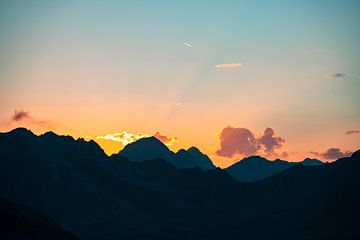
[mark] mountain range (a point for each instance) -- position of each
(249, 169)
(25, 222)
(93, 196)
(255, 167)
(151, 148)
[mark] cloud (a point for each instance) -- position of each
(24, 118)
(188, 44)
(123, 137)
(333, 153)
(237, 141)
(339, 75)
(352, 132)
(242, 141)
(20, 115)
(228, 65)
(167, 140)
(270, 142)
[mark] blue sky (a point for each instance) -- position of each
(95, 59)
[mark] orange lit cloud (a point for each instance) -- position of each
(228, 65)
(242, 141)
(270, 142)
(123, 137)
(237, 141)
(114, 142)
(167, 140)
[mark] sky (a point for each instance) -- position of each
(279, 79)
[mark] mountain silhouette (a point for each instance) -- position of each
(25, 222)
(255, 167)
(146, 149)
(311, 162)
(151, 148)
(95, 196)
(191, 158)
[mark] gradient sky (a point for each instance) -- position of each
(92, 68)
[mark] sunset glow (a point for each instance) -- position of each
(234, 78)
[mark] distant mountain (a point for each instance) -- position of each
(256, 167)
(191, 158)
(25, 222)
(311, 162)
(146, 149)
(151, 148)
(100, 197)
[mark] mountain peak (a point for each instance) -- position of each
(149, 141)
(311, 162)
(191, 158)
(254, 159)
(255, 168)
(194, 149)
(146, 149)
(21, 131)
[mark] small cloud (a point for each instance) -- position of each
(228, 65)
(352, 132)
(123, 137)
(339, 75)
(24, 118)
(179, 104)
(270, 142)
(20, 115)
(188, 44)
(332, 154)
(167, 140)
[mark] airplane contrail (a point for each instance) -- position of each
(188, 44)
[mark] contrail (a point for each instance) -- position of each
(188, 44)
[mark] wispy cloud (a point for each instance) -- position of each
(126, 138)
(123, 137)
(228, 65)
(20, 116)
(352, 132)
(25, 118)
(339, 75)
(167, 140)
(188, 44)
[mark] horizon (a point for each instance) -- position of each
(160, 140)
(233, 78)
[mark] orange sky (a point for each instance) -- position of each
(96, 69)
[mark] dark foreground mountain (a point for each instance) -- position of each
(151, 148)
(256, 167)
(98, 197)
(26, 223)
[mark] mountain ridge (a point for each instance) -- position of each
(150, 148)
(99, 197)
(254, 168)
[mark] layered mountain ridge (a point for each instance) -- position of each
(94, 196)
